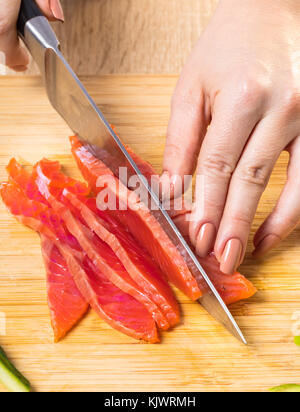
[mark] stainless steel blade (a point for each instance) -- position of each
(71, 100)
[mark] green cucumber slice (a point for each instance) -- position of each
(297, 340)
(11, 378)
(292, 387)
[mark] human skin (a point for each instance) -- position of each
(242, 79)
(16, 56)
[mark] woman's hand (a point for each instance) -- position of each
(15, 55)
(242, 79)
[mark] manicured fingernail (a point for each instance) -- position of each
(231, 256)
(57, 10)
(19, 68)
(265, 245)
(205, 240)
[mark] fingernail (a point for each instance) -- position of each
(57, 10)
(205, 240)
(19, 68)
(231, 256)
(265, 245)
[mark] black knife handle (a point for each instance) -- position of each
(28, 10)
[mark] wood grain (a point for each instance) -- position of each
(130, 36)
(197, 355)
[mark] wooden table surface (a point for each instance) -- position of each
(199, 354)
(130, 36)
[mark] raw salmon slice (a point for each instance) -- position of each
(26, 182)
(65, 302)
(99, 252)
(51, 220)
(141, 223)
(135, 259)
(120, 310)
(18, 175)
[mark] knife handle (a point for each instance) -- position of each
(28, 10)
(36, 32)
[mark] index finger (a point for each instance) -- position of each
(187, 126)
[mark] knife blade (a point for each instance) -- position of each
(71, 100)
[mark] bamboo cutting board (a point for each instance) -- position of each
(199, 355)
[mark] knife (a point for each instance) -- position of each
(70, 99)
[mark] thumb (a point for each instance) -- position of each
(15, 55)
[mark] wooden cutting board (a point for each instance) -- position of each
(199, 354)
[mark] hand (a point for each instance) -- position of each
(15, 54)
(242, 79)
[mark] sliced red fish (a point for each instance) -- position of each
(18, 175)
(27, 183)
(100, 253)
(135, 259)
(141, 223)
(65, 302)
(119, 309)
